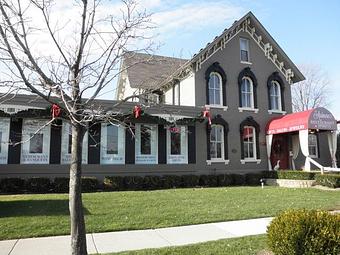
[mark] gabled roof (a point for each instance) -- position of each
(149, 71)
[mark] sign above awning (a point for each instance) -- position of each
(318, 118)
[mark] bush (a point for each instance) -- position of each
(38, 185)
(295, 175)
(208, 180)
(328, 180)
(190, 181)
(238, 179)
(12, 185)
(303, 232)
(133, 182)
(113, 183)
(89, 184)
(225, 180)
(172, 181)
(61, 185)
(253, 179)
(152, 182)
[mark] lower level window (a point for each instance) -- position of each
(36, 143)
(313, 145)
(249, 142)
(146, 146)
(216, 142)
(177, 145)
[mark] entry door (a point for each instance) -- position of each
(280, 151)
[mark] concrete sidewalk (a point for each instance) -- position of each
(137, 239)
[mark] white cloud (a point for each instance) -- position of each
(190, 17)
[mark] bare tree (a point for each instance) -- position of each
(78, 66)
(312, 92)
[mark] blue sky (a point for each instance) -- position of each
(308, 31)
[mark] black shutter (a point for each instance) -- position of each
(55, 142)
(191, 144)
(15, 135)
(94, 144)
(129, 146)
(208, 141)
(226, 130)
(241, 142)
(161, 144)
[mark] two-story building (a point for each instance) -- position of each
(227, 109)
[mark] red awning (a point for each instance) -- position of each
(318, 118)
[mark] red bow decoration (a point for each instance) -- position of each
(55, 111)
(206, 114)
(137, 111)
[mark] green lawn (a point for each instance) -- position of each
(44, 215)
(251, 245)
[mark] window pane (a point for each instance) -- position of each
(111, 139)
(244, 48)
(213, 153)
(175, 143)
(145, 140)
(69, 143)
(244, 56)
(36, 143)
(0, 141)
(214, 89)
(219, 150)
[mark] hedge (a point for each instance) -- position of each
(303, 232)
(328, 180)
(295, 175)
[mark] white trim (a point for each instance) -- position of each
(222, 107)
(4, 139)
(146, 158)
(246, 40)
(177, 158)
(246, 63)
(222, 142)
(213, 161)
(277, 112)
(110, 159)
(257, 161)
(247, 109)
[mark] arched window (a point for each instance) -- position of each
(217, 140)
(247, 84)
(249, 132)
(249, 142)
(216, 80)
(215, 89)
(247, 93)
(275, 96)
(275, 86)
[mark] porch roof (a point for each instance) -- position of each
(318, 118)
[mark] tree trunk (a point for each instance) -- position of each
(78, 233)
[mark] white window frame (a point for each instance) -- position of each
(178, 158)
(274, 96)
(221, 142)
(65, 157)
(118, 158)
(247, 50)
(146, 158)
(254, 145)
(4, 139)
(313, 142)
(221, 91)
(29, 127)
(251, 93)
(176, 94)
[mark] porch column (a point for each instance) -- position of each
(295, 149)
(269, 140)
(303, 137)
(332, 143)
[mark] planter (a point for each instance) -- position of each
(290, 183)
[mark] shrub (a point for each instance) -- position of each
(172, 181)
(238, 179)
(89, 184)
(152, 182)
(12, 185)
(303, 232)
(133, 182)
(61, 185)
(113, 183)
(270, 174)
(190, 181)
(225, 180)
(253, 179)
(38, 185)
(208, 180)
(328, 180)
(295, 175)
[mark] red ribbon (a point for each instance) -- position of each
(206, 114)
(55, 111)
(137, 111)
